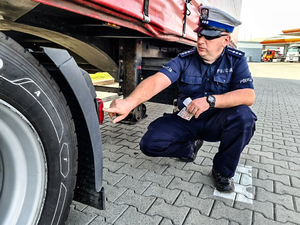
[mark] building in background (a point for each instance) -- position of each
(254, 47)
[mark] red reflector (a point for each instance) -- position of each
(100, 110)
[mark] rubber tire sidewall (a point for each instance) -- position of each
(41, 102)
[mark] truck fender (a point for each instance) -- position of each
(85, 94)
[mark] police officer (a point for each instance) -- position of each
(217, 79)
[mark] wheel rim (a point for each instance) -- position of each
(22, 169)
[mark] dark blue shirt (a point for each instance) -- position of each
(196, 78)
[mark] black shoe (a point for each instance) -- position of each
(198, 145)
(223, 184)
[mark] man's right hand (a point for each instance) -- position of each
(144, 91)
(119, 108)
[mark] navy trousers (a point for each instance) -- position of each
(172, 136)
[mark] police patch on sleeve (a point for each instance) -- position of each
(235, 52)
(188, 52)
(246, 80)
(167, 68)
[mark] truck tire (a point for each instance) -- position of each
(38, 145)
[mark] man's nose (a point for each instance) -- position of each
(201, 39)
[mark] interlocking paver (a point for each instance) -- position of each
(183, 174)
(174, 213)
(78, 206)
(267, 167)
(294, 154)
(133, 217)
(137, 192)
(153, 166)
(78, 218)
(110, 214)
(261, 153)
(152, 159)
(162, 180)
(265, 208)
(284, 138)
(130, 160)
(285, 200)
(207, 192)
(266, 184)
(297, 204)
(128, 151)
(133, 184)
(136, 173)
(260, 219)
(206, 170)
(294, 166)
(281, 163)
(203, 179)
(281, 188)
(142, 203)
(285, 215)
(295, 182)
(176, 163)
(283, 171)
(206, 162)
(110, 147)
(167, 194)
(113, 140)
(112, 178)
(222, 211)
(166, 221)
(112, 166)
(283, 131)
(262, 143)
(192, 188)
(112, 192)
(111, 133)
(128, 137)
(112, 156)
(99, 220)
(254, 158)
(287, 147)
(195, 218)
(203, 205)
(274, 150)
(127, 143)
(272, 140)
(272, 176)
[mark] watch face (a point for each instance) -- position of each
(211, 99)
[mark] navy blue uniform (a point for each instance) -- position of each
(173, 136)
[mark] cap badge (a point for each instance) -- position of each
(204, 14)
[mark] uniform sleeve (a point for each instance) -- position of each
(241, 77)
(173, 69)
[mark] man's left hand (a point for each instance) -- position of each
(198, 106)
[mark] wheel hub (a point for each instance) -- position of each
(22, 168)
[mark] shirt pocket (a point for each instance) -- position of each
(194, 78)
(222, 78)
(222, 82)
(190, 84)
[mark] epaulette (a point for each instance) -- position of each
(235, 52)
(188, 52)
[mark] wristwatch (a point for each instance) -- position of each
(211, 101)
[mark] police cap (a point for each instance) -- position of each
(214, 21)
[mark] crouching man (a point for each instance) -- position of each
(218, 81)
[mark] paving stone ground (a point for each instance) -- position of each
(165, 191)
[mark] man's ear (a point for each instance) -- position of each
(227, 40)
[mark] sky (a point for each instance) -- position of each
(267, 18)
